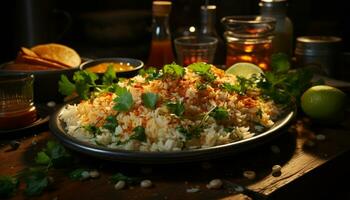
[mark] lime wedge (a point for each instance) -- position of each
(244, 69)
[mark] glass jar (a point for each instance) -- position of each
(249, 39)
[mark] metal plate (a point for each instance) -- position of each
(57, 128)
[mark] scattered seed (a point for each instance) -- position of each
(119, 185)
(51, 104)
(276, 170)
(85, 175)
(214, 184)
(249, 174)
(192, 190)
(94, 174)
(275, 149)
(320, 137)
(14, 144)
(146, 184)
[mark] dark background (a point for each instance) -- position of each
(121, 28)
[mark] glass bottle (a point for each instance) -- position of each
(249, 39)
(161, 51)
(283, 40)
(207, 28)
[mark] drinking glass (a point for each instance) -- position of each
(191, 49)
(249, 39)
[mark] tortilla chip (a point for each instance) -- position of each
(58, 53)
(22, 58)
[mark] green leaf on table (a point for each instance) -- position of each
(174, 70)
(124, 100)
(109, 76)
(280, 63)
(150, 100)
(176, 108)
(42, 158)
(65, 87)
(121, 177)
(36, 181)
(78, 174)
(8, 186)
(139, 134)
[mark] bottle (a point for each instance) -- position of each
(161, 51)
(283, 34)
(207, 28)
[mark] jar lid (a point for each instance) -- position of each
(161, 8)
(317, 45)
(273, 3)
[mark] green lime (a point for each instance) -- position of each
(323, 102)
(244, 69)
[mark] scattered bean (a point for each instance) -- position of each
(276, 170)
(214, 184)
(320, 137)
(51, 104)
(94, 174)
(146, 184)
(192, 190)
(14, 144)
(249, 174)
(119, 185)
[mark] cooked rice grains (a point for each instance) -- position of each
(191, 111)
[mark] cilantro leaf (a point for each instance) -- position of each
(8, 186)
(150, 73)
(124, 100)
(150, 100)
(109, 76)
(36, 181)
(78, 174)
(203, 69)
(65, 87)
(84, 81)
(174, 70)
(176, 108)
(219, 113)
(121, 177)
(139, 134)
(111, 123)
(58, 155)
(280, 63)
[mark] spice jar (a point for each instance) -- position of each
(319, 53)
(249, 39)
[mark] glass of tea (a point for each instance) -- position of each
(16, 101)
(249, 39)
(191, 49)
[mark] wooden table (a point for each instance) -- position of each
(308, 172)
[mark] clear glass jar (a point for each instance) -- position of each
(249, 39)
(283, 33)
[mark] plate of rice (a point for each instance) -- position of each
(171, 115)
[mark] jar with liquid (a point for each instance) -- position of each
(161, 51)
(249, 39)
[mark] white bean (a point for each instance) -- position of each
(249, 174)
(94, 174)
(214, 184)
(85, 175)
(146, 184)
(192, 190)
(320, 137)
(119, 185)
(276, 170)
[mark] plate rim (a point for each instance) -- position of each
(142, 157)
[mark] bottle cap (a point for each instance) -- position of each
(161, 8)
(317, 45)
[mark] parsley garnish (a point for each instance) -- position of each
(150, 100)
(65, 87)
(139, 134)
(77, 174)
(191, 132)
(111, 123)
(176, 108)
(124, 100)
(219, 113)
(150, 73)
(36, 181)
(203, 69)
(121, 177)
(173, 70)
(53, 155)
(109, 76)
